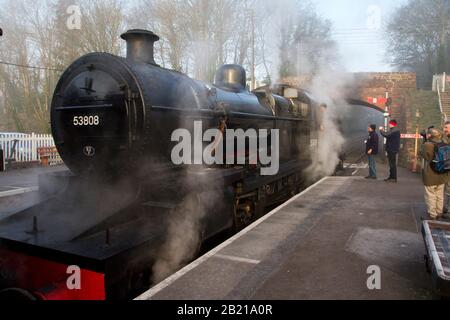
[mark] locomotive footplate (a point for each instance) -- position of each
(110, 241)
(112, 232)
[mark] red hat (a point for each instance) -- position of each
(393, 123)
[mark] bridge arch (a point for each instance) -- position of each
(357, 102)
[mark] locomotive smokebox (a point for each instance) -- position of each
(140, 45)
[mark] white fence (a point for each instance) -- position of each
(27, 145)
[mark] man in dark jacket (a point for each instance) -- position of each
(392, 148)
(372, 150)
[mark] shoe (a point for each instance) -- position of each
(391, 180)
(370, 178)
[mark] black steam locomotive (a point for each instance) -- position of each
(111, 217)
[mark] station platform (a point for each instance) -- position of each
(26, 178)
(19, 188)
(319, 245)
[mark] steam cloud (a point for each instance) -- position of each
(202, 193)
(328, 86)
(183, 239)
(186, 226)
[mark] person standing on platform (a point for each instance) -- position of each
(392, 148)
(372, 151)
(434, 182)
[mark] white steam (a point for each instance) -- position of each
(328, 86)
(183, 238)
(202, 199)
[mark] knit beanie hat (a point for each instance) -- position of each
(393, 123)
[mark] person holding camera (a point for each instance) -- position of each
(392, 148)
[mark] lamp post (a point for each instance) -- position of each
(416, 148)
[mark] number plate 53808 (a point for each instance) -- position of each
(84, 121)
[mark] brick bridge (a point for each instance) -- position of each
(372, 89)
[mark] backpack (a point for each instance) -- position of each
(441, 161)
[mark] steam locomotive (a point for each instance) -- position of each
(108, 220)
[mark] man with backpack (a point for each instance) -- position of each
(434, 173)
(392, 148)
(447, 187)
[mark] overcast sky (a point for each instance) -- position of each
(359, 30)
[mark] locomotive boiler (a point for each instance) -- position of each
(112, 120)
(110, 114)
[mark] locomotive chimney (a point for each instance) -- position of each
(140, 45)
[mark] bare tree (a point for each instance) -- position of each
(418, 35)
(28, 41)
(197, 36)
(305, 42)
(38, 45)
(170, 20)
(103, 22)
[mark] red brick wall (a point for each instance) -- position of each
(400, 87)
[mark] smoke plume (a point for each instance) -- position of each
(328, 87)
(187, 225)
(327, 81)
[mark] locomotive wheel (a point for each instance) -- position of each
(16, 294)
